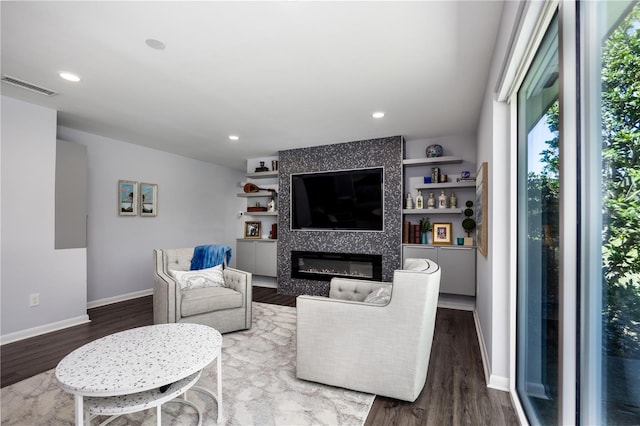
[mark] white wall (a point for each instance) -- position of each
(29, 262)
(493, 273)
(197, 204)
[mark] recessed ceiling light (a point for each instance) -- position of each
(155, 44)
(234, 137)
(69, 76)
(378, 114)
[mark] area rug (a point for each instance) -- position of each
(259, 387)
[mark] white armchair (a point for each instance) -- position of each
(382, 349)
(225, 308)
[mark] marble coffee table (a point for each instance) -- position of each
(139, 369)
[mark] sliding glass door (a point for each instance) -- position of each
(578, 219)
(610, 317)
(538, 235)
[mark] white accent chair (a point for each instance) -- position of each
(380, 349)
(226, 308)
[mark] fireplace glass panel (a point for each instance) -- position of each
(324, 266)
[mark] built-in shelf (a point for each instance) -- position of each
(431, 211)
(262, 175)
(257, 194)
(262, 240)
(431, 160)
(261, 213)
(439, 245)
(443, 185)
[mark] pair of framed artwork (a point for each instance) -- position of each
(134, 197)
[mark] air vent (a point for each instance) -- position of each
(28, 86)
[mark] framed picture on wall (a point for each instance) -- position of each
(481, 208)
(442, 233)
(252, 230)
(127, 198)
(148, 199)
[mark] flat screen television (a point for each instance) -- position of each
(349, 200)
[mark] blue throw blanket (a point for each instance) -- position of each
(209, 256)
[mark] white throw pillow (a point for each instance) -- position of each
(210, 277)
(380, 296)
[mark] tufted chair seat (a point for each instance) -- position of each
(226, 308)
(379, 345)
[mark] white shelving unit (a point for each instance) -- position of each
(263, 175)
(262, 195)
(443, 185)
(457, 262)
(431, 160)
(259, 256)
(431, 211)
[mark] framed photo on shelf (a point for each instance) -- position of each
(127, 198)
(442, 233)
(252, 230)
(148, 199)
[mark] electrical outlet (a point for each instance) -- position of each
(34, 299)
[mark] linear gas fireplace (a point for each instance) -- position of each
(323, 266)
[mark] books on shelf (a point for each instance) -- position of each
(410, 233)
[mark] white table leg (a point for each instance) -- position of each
(219, 374)
(158, 414)
(79, 411)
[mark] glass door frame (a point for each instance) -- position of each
(569, 222)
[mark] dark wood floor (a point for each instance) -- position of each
(455, 392)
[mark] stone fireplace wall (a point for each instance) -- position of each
(385, 152)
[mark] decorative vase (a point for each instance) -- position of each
(423, 238)
(434, 150)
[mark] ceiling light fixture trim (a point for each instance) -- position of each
(69, 76)
(155, 44)
(378, 114)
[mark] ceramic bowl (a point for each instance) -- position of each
(434, 151)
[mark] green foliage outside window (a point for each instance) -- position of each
(621, 177)
(621, 187)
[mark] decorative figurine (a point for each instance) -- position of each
(442, 200)
(419, 200)
(431, 202)
(409, 201)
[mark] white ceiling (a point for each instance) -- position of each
(279, 75)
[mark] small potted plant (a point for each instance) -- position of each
(425, 226)
(468, 224)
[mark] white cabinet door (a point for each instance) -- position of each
(418, 252)
(257, 256)
(266, 260)
(245, 255)
(458, 266)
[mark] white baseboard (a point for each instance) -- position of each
(500, 383)
(493, 381)
(120, 298)
(483, 349)
(43, 329)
